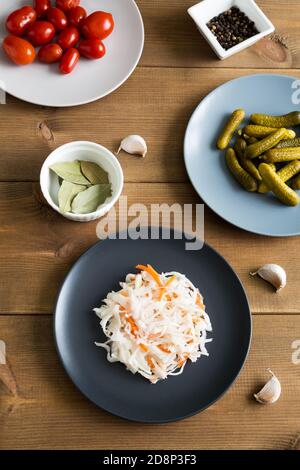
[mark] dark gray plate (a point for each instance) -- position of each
(111, 386)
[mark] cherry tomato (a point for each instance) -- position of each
(50, 53)
(41, 7)
(98, 25)
(19, 20)
(57, 18)
(20, 51)
(76, 15)
(69, 61)
(69, 37)
(92, 48)
(40, 33)
(66, 5)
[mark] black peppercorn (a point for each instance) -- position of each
(232, 27)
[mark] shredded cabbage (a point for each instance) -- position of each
(154, 324)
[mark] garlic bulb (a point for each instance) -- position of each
(271, 392)
(133, 144)
(274, 274)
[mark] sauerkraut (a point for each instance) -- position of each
(155, 323)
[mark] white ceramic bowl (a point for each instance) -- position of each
(82, 150)
(204, 11)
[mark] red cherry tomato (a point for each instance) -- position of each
(92, 48)
(66, 5)
(57, 18)
(69, 37)
(98, 25)
(69, 61)
(40, 33)
(19, 20)
(50, 53)
(41, 7)
(76, 15)
(21, 52)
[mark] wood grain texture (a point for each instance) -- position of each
(40, 408)
(172, 38)
(155, 103)
(38, 246)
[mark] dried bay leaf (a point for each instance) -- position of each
(94, 173)
(70, 171)
(66, 194)
(89, 200)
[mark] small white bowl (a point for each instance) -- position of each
(82, 150)
(204, 11)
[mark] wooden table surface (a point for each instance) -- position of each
(39, 406)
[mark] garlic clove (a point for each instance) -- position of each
(133, 144)
(274, 274)
(271, 392)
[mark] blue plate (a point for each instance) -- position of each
(258, 213)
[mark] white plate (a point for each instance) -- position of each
(44, 85)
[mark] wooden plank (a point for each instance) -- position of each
(155, 103)
(38, 246)
(40, 408)
(173, 40)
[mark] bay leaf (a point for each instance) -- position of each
(70, 171)
(89, 200)
(94, 173)
(66, 194)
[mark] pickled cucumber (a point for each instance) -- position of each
(285, 174)
(261, 131)
(281, 190)
(289, 143)
(246, 180)
(240, 147)
(257, 149)
(282, 155)
(230, 128)
(296, 183)
(287, 120)
(252, 140)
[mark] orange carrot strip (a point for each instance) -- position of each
(152, 273)
(143, 347)
(150, 362)
(199, 302)
(162, 291)
(163, 348)
(124, 293)
(133, 325)
(170, 280)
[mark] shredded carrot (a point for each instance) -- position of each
(199, 302)
(143, 347)
(133, 325)
(153, 336)
(162, 292)
(150, 362)
(163, 348)
(124, 293)
(170, 280)
(152, 273)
